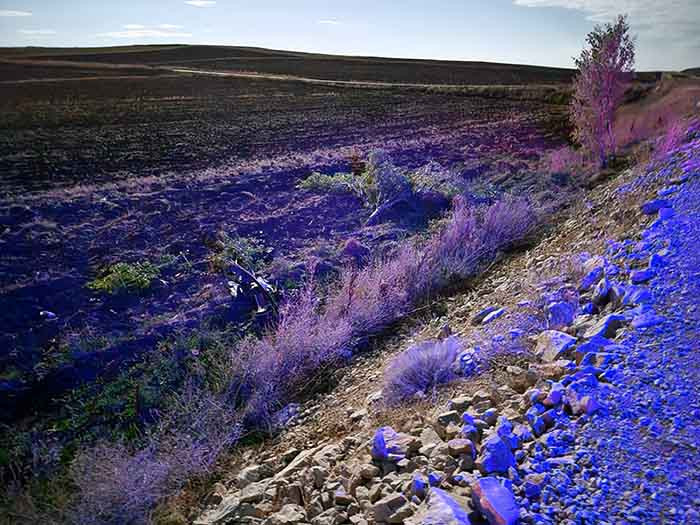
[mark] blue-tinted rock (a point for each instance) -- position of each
(594, 268)
(666, 213)
(646, 320)
(559, 314)
(637, 295)
(533, 485)
(495, 502)
(641, 276)
(668, 190)
(653, 206)
(600, 292)
(390, 445)
(480, 316)
(657, 261)
(434, 478)
(466, 363)
(490, 416)
(469, 432)
(496, 456)
(48, 315)
(493, 316)
(523, 433)
(419, 486)
(467, 419)
(555, 395)
(589, 309)
(606, 327)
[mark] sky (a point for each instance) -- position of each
(544, 32)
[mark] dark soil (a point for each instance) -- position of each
(153, 168)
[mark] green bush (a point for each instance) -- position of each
(361, 185)
(382, 180)
(249, 252)
(122, 277)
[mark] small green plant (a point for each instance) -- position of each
(249, 252)
(381, 181)
(361, 184)
(433, 177)
(121, 277)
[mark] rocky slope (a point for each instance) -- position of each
(594, 419)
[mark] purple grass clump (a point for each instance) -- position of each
(313, 335)
(420, 369)
(117, 485)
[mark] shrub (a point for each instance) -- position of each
(433, 177)
(474, 235)
(420, 369)
(116, 485)
(382, 182)
(123, 277)
(605, 68)
(310, 339)
(372, 298)
(248, 252)
(289, 357)
(388, 180)
(336, 183)
(671, 139)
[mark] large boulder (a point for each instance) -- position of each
(496, 456)
(389, 445)
(388, 505)
(495, 502)
(559, 314)
(551, 344)
(606, 327)
(289, 514)
(653, 206)
(441, 508)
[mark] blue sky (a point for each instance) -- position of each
(547, 32)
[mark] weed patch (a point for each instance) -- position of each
(123, 277)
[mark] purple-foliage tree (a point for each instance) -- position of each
(605, 68)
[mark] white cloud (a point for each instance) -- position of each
(670, 19)
(667, 29)
(201, 3)
(134, 26)
(169, 26)
(7, 12)
(144, 32)
(329, 21)
(37, 32)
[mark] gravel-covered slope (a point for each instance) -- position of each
(599, 425)
(647, 450)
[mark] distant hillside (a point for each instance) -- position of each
(692, 71)
(310, 65)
